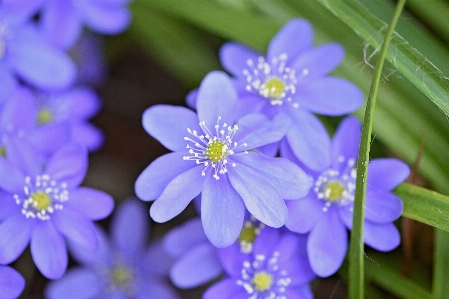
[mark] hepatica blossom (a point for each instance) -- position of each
(326, 212)
(42, 204)
(122, 266)
(214, 155)
(292, 80)
(11, 283)
(277, 268)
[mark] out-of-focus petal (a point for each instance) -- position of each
(48, 250)
(385, 174)
(234, 57)
(68, 164)
(154, 179)
(88, 135)
(290, 181)
(15, 233)
(330, 96)
(12, 179)
(205, 263)
(293, 38)
(102, 256)
(303, 214)
(130, 227)
(266, 241)
(302, 292)
(107, 19)
(183, 237)
(216, 98)
(8, 83)
(93, 204)
(77, 283)
(226, 288)
(155, 289)
(8, 205)
(309, 141)
(345, 142)
(11, 283)
(382, 237)
(327, 244)
(168, 124)
(222, 212)
(261, 199)
(179, 192)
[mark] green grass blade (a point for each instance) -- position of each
(440, 286)
(356, 251)
(415, 67)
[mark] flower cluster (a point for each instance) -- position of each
(46, 101)
(255, 157)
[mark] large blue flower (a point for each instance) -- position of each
(214, 155)
(122, 266)
(326, 212)
(292, 80)
(276, 268)
(42, 204)
(11, 283)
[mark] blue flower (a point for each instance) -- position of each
(26, 55)
(42, 204)
(277, 268)
(62, 21)
(11, 283)
(326, 212)
(122, 266)
(292, 80)
(214, 154)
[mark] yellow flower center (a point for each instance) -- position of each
(216, 151)
(334, 190)
(44, 116)
(262, 281)
(40, 200)
(274, 87)
(2, 151)
(121, 276)
(248, 234)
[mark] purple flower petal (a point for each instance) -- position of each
(327, 244)
(8, 205)
(93, 204)
(88, 135)
(84, 102)
(302, 292)
(40, 64)
(345, 142)
(168, 124)
(385, 174)
(382, 237)
(155, 289)
(232, 259)
(299, 271)
(19, 111)
(261, 199)
(12, 179)
(11, 283)
(106, 18)
(48, 250)
(257, 130)
(77, 283)
(182, 238)
(179, 192)
(266, 241)
(303, 214)
(292, 39)
(330, 96)
(156, 259)
(102, 256)
(15, 233)
(290, 181)
(152, 181)
(216, 98)
(49, 138)
(61, 23)
(68, 164)
(381, 206)
(130, 227)
(203, 259)
(319, 61)
(8, 83)
(222, 212)
(234, 58)
(226, 288)
(24, 156)
(191, 99)
(309, 141)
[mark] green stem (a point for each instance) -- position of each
(356, 253)
(440, 288)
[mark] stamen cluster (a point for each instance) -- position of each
(272, 80)
(43, 197)
(212, 149)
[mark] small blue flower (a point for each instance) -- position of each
(42, 204)
(277, 268)
(326, 212)
(122, 266)
(292, 80)
(11, 283)
(214, 154)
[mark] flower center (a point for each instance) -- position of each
(262, 281)
(273, 81)
(2, 151)
(121, 276)
(337, 187)
(212, 150)
(43, 197)
(44, 116)
(250, 230)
